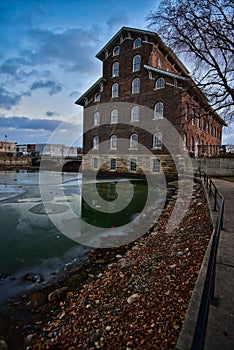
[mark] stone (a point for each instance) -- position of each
(3, 345)
(57, 294)
(133, 298)
(126, 262)
(37, 299)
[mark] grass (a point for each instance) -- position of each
(229, 178)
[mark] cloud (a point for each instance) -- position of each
(117, 21)
(72, 49)
(74, 94)
(26, 123)
(8, 99)
(12, 65)
(52, 86)
(228, 134)
(52, 114)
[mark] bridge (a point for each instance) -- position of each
(57, 163)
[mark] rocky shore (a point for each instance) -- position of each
(132, 297)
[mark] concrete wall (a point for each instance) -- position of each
(214, 166)
(14, 162)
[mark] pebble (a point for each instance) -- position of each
(57, 294)
(133, 298)
(3, 345)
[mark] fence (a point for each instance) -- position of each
(207, 298)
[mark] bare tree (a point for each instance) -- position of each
(202, 32)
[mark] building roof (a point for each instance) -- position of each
(90, 91)
(163, 47)
(164, 72)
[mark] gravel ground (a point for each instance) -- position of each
(134, 298)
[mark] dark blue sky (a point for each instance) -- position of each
(47, 59)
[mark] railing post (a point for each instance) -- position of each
(215, 199)
(210, 183)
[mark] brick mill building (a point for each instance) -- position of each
(143, 85)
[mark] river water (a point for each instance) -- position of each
(32, 244)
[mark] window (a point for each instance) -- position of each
(192, 144)
(137, 43)
(159, 63)
(116, 51)
(198, 121)
(175, 83)
(184, 141)
(113, 164)
(96, 142)
(115, 69)
(136, 86)
(136, 63)
(160, 83)
(203, 124)
(113, 142)
(134, 141)
(157, 140)
(156, 166)
(158, 110)
(115, 90)
(114, 116)
(135, 112)
(96, 118)
(193, 117)
(186, 113)
(95, 163)
(133, 165)
(97, 97)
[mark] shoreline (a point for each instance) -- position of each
(30, 316)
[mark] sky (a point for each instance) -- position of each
(47, 60)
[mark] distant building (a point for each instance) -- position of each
(50, 150)
(140, 70)
(7, 148)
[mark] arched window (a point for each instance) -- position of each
(115, 90)
(197, 144)
(114, 116)
(97, 97)
(136, 63)
(134, 141)
(192, 144)
(160, 83)
(159, 63)
(203, 124)
(116, 51)
(158, 110)
(198, 121)
(156, 166)
(157, 140)
(95, 163)
(96, 118)
(184, 141)
(136, 86)
(137, 43)
(115, 69)
(186, 113)
(135, 112)
(113, 142)
(193, 117)
(96, 142)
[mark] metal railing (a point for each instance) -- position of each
(207, 298)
